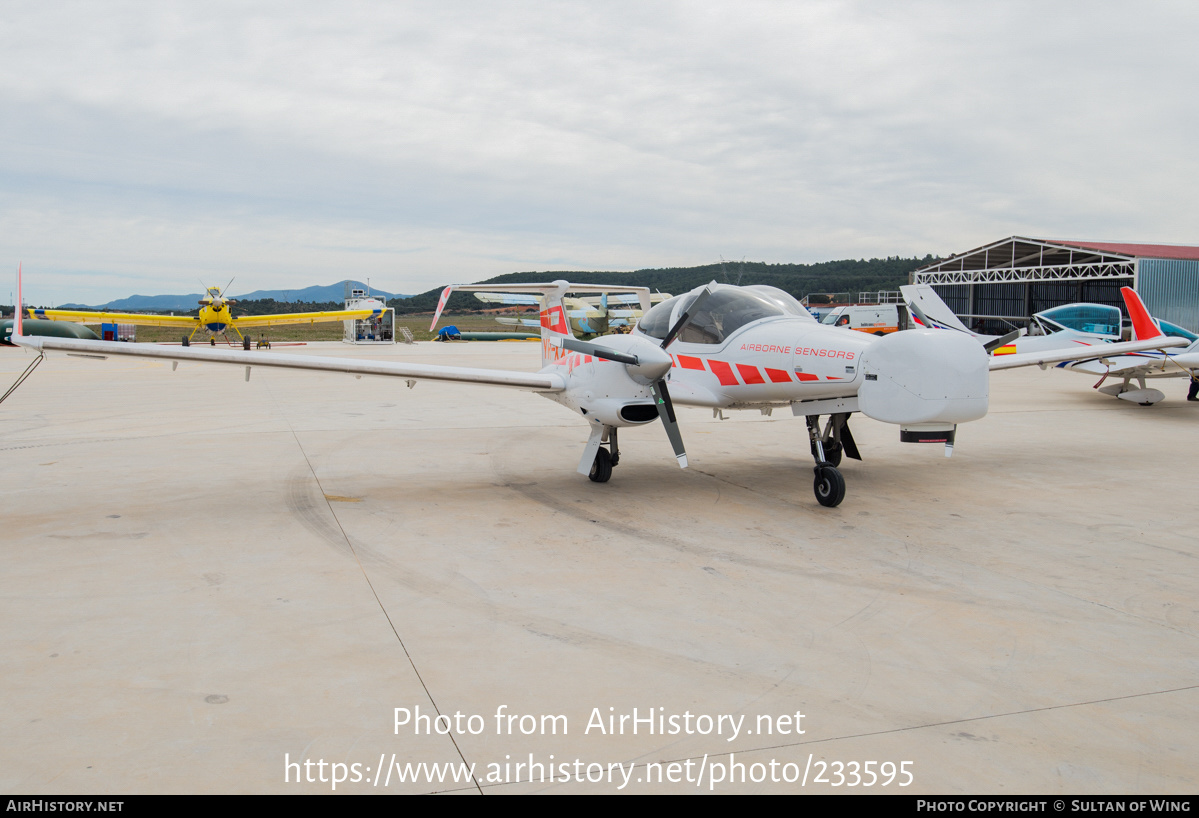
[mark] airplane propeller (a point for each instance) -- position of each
(217, 301)
(1002, 341)
(650, 365)
(662, 394)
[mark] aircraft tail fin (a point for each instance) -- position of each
(554, 324)
(1143, 326)
(445, 296)
(554, 317)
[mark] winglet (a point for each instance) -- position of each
(445, 296)
(1143, 327)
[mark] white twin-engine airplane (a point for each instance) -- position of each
(719, 346)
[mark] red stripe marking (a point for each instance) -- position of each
(723, 373)
(750, 374)
(807, 376)
(688, 362)
(778, 375)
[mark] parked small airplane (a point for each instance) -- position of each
(587, 316)
(1139, 366)
(719, 346)
(1084, 326)
(215, 317)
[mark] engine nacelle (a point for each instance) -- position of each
(924, 377)
(619, 411)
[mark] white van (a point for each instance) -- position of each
(877, 319)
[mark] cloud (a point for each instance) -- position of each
(421, 143)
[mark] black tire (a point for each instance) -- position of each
(186, 341)
(880, 334)
(832, 453)
(601, 467)
(245, 343)
(829, 486)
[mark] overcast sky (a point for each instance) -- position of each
(147, 146)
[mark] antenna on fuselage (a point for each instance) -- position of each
(740, 271)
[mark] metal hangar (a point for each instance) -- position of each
(1006, 282)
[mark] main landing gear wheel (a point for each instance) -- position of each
(187, 341)
(601, 468)
(829, 486)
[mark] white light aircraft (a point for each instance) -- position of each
(1093, 331)
(1139, 366)
(719, 346)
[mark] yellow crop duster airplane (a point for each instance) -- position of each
(215, 317)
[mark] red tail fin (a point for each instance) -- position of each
(1143, 327)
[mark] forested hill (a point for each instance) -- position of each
(850, 275)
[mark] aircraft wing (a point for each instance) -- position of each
(1142, 366)
(560, 287)
(300, 318)
(85, 317)
(531, 382)
(1079, 355)
(509, 298)
(621, 299)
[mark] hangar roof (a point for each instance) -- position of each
(1137, 250)
(1018, 258)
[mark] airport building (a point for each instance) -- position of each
(1004, 283)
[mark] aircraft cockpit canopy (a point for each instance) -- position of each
(1098, 319)
(656, 322)
(784, 299)
(724, 312)
(1176, 331)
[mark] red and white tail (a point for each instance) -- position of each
(1143, 325)
(554, 323)
(445, 296)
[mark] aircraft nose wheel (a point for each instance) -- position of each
(601, 468)
(829, 486)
